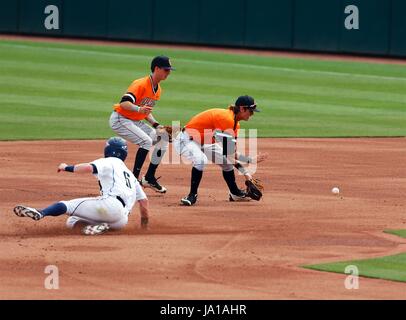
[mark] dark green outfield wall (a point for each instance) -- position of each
(316, 25)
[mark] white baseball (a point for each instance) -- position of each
(335, 190)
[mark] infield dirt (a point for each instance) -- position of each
(216, 249)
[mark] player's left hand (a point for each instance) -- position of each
(165, 131)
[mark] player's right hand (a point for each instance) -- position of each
(145, 110)
(62, 167)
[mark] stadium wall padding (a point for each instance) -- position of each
(9, 19)
(316, 25)
(304, 25)
(398, 28)
(373, 34)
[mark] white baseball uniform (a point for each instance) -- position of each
(119, 191)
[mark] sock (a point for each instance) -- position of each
(139, 161)
(229, 177)
(150, 175)
(156, 158)
(195, 180)
(55, 209)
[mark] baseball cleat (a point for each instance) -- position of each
(241, 196)
(93, 230)
(153, 184)
(32, 213)
(189, 200)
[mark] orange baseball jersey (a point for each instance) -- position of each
(142, 93)
(202, 126)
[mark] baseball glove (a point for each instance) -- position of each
(166, 131)
(254, 189)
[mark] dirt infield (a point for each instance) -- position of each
(217, 249)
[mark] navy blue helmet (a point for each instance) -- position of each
(116, 147)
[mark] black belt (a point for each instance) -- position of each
(121, 200)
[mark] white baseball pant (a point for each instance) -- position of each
(103, 209)
(200, 155)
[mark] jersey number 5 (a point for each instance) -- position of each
(127, 179)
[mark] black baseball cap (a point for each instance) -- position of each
(246, 101)
(161, 62)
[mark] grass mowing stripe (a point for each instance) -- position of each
(297, 87)
(225, 63)
(333, 109)
(61, 85)
(197, 54)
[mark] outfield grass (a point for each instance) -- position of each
(400, 233)
(66, 91)
(388, 268)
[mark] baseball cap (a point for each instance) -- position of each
(246, 101)
(161, 62)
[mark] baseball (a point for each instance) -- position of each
(335, 190)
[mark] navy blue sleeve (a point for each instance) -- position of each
(94, 168)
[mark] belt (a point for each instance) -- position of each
(121, 200)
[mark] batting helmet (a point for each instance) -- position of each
(116, 147)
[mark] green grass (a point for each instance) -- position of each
(388, 268)
(65, 91)
(400, 233)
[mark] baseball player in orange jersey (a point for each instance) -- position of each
(127, 118)
(197, 143)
